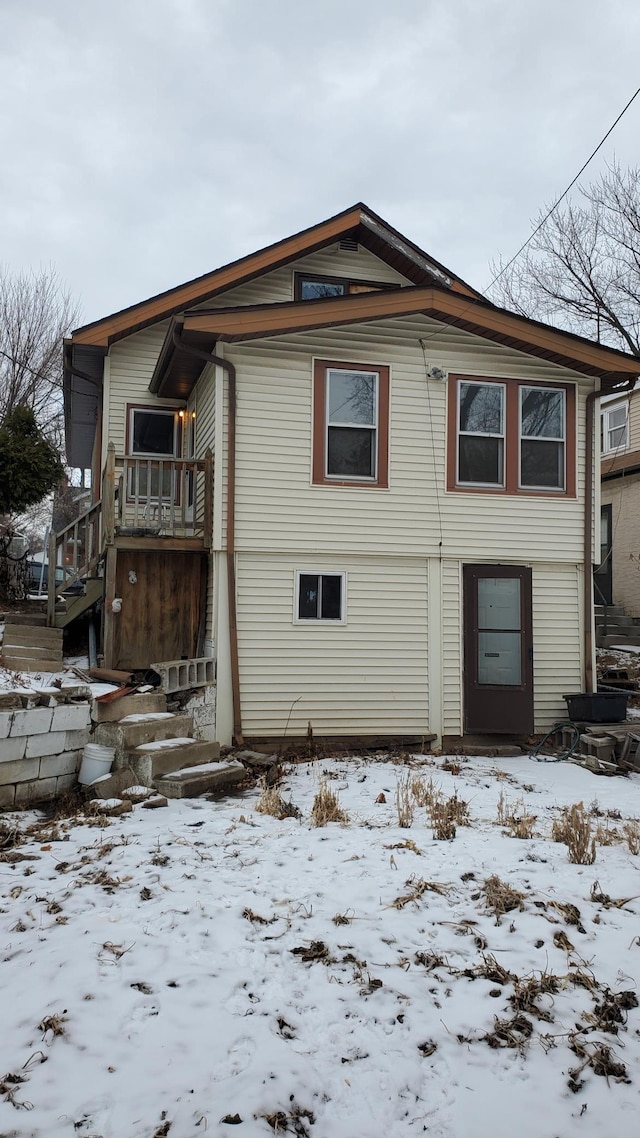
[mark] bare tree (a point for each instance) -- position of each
(36, 312)
(581, 271)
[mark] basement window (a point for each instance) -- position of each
(320, 597)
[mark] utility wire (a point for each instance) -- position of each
(562, 195)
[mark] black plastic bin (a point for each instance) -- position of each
(597, 707)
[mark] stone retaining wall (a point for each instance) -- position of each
(42, 735)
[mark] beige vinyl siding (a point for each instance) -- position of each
(278, 508)
(206, 412)
(331, 262)
(557, 640)
(634, 421)
(451, 648)
(131, 366)
(368, 676)
(623, 495)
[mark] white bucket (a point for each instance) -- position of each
(96, 762)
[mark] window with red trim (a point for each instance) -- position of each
(511, 436)
(351, 424)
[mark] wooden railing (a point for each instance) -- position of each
(73, 554)
(158, 497)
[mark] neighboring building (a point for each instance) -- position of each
(339, 470)
(617, 577)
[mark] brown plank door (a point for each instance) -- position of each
(498, 649)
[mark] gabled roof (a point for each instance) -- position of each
(359, 223)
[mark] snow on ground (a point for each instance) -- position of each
(210, 969)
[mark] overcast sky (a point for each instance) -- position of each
(147, 141)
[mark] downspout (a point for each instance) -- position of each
(219, 361)
(587, 596)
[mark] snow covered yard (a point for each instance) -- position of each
(208, 969)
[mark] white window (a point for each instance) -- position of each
(481, 429)
(542, 438)
(352, 424)
(153, 432)
(615, 427)
(320, 597)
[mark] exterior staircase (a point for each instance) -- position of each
(29, 646)
(613, 626)
(159, 747)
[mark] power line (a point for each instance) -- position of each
(563, 194)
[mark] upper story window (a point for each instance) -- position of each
(351, 424)
(153, 432)
(615, 427)
(511, 436)
(313, 286)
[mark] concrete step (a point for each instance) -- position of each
(152, 760)
(207, 778)
(32, 618)
(134, 730)
(20, 664)
(35, 651)
(138, 703)
(609, 641)
(27, 635)
(612, 610)
(615, 622)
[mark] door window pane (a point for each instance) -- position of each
(499, 658)
(499, 602)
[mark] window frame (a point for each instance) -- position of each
(320, 425)
(548, 438)
(606, 411)
(132, 408)
(320, 621)
(512, 438)
(353, 285)
(482, 434)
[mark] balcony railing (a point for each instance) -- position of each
(158, 497)
(141, 497)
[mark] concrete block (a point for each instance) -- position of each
(20, 771)
(77, 739)
(65, 782)
(50, 744)
(35, 721)
(36, 791)
(6, 718)
(12, 749)
(136, 704)
(113, 786)
(7, 797)
(71, 717)
(54, 765)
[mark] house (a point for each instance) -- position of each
(617, 577)
(338, 474)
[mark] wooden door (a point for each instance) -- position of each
(163, 607)
(498, 649)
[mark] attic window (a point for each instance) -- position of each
(307, 286)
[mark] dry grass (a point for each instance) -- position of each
(631, 832)
(573, 828)
(416, 888)
(326, 806)
(513, 816)
(501, 898)
(446, 815)
(424, 792)
(405, 803)
(271, 802)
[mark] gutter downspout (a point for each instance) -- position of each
(587, 596)
(219, 361)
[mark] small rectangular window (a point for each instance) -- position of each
(315, 286)
(615, 427)
(542, 438)
(351, 424)
(316, 289)
(320, 596)
(481, 434)
(153, 432)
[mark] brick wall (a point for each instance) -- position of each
(42, 736)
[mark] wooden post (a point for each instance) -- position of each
(109, 495)
(51, 580)
(208, 499)
(108, 646)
